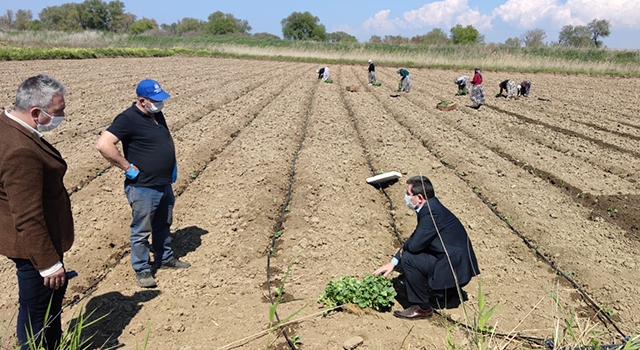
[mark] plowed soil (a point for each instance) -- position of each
(546, 185)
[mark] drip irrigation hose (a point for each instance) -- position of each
(283, 211)
(540, 341)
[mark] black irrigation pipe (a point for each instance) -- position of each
(373, 170)
(540, 341)
(284, 210)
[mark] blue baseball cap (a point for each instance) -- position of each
(151, 89)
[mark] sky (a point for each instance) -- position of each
(497, 20)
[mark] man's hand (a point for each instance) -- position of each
(56, 280)
(132, 172)
(385, 270)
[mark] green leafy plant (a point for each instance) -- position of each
(612, 211)
(328, 81)
(375, 292)
(377, 83)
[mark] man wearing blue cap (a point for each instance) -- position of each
(149, 165)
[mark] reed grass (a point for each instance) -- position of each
(30, 45)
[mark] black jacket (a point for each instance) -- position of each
(425, 240)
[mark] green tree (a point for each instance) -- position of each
(533, 38)
(599, 29)
(513, 43)
(303, 26)
(395, 40)
(170, 28)
(6, 20)
(375, 39)
(341, 37)
(578, 36)
(190, 25)
(142, 25)
(263, 35)
(118, 20)
(435, 37)
(23, 19)
(225, 23)
(466, 35)
(65, 17)
(94, 14)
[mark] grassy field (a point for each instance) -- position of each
(28, 45)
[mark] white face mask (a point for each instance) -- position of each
(407, 199)
(55, 121)
(154, 107)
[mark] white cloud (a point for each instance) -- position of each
(527, 13)
(475, 18)
(380, 22)
(436, 13)
(442, 14)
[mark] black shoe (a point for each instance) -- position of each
(145, 279)
(175, 264)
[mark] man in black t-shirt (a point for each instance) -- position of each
(150, 167)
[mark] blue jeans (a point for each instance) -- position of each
(35, 300)
(152, 211)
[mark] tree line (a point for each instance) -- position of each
(112, 17)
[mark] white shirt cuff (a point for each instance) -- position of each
(394, 261)
(48, 272)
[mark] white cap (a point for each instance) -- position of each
(370, 61)
(519, 86)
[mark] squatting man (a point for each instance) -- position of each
(437, 257)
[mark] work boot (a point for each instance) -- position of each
(145, 279)
(175, 264)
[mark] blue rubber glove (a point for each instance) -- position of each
(174, 175)
(132, 172)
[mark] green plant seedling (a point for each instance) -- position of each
(278, 234)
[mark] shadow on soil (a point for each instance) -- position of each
(112, 312)
(187, 240)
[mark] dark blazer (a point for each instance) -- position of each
(35, 211)
(425, 241)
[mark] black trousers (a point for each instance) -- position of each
(35, 299)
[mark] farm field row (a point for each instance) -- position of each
(550, 173)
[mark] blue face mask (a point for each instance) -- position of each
(407, 200)
(55, 121)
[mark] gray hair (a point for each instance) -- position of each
(38, 91)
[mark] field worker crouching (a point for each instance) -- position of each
(510, 87)
(477, 91)
(437, 258)
(36, 222)
(149, 165)
(372, 73)
(323, 73)
(524, 88)
(405, 81)
(463, 85)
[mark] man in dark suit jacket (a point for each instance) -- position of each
(437, 256)
(36, 223)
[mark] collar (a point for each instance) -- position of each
(35, 132)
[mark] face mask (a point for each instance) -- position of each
(55, 121)
(154, 107)
(407, 199)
